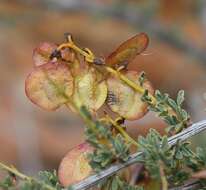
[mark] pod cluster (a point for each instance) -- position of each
(61, 77)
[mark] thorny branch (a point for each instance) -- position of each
(194, 129)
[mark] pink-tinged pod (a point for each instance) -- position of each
(49, 85)
(74, 167)
(42, 53)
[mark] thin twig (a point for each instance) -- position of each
(92, 180)
(189, 186)
(122, 131)
(163, 177)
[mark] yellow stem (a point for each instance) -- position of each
(89, 57)
(14, 171)
(122, 131)
(163, 177)
(24, 177)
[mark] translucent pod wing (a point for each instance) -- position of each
(123, 100)
(128, 50)
(89, 91)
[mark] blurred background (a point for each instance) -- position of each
(33, 139)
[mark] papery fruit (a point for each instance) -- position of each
(49, 85)
(123, 100)
(90, 90)
(75, 166)
(42, 53)
(128, 50)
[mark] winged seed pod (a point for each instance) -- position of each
(128, 50)
(74, 167)
(90, 90)
(123, 100)
(49, 85)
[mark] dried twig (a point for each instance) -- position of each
(194, 129)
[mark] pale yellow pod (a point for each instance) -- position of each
(89, 91)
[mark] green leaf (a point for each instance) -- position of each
(115, 185)
(158, 95)
(50, 178)
(172, 104)
(6, 183)
(185, 116)
(165, 146)
(180, 97)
